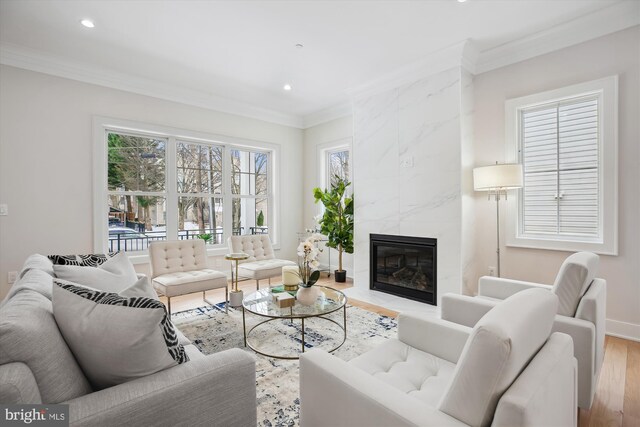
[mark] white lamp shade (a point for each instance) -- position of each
(503, 177)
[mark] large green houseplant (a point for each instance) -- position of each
(337, 221)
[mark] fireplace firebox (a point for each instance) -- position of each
(404, 266)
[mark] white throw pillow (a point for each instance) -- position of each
(115, 275)
(573, 280)
(500, 346)
(116, 337)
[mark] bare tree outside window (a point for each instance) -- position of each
(338, 166)
(249, 188)
(199, 173)
(136, 190)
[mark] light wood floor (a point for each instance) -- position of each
(617, 400)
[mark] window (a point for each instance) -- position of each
(250, 192)
(160, 183)
(566, 142)
(337, 165)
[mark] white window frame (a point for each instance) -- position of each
(103, 125)
(606, 90)
(324, 150)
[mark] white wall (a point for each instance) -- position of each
(421, 123)
(618, 53)
(46, 160)
(316, 139)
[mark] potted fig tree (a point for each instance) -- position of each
(337, 221)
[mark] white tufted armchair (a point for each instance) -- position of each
(262, 263)
(581, 312)
(180, 267)
(506, 371)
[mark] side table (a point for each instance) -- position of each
(235, 296)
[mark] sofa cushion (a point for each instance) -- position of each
(114, 275)
(419, 374)
(32, 281)
(500, 346)
(263, 269)
(185, 282)
(99, 328)
(37, 262)
(575, 275)
(29, 334)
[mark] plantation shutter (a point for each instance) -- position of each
(559, 152)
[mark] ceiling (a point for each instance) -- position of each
(245, 51)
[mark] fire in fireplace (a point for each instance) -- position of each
(404, 266)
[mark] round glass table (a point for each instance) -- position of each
(261, 304)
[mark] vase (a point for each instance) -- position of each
(307, 296)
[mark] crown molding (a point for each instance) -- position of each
(327, 114)
(462, 54)
(29, 59)
(602, 22)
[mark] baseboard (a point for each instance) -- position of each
(628, 331)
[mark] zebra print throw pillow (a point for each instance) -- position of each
(116, 337)
(87, 260)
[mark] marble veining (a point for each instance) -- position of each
(422, 122)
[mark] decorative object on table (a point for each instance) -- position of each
(308, 274)
(337, 220)
(206, 237)
(307, 295)
(496, 180)
(290, 277)
(283, 300)
(260, 219)
(235, 296)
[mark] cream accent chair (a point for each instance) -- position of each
(262, 262)
(581, 312)
(506, 371)
(180, 267)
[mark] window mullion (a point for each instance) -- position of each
(172, 190)
(558, 169)
(227, 201)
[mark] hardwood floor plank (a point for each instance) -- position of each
(607, 408)
(631, 417)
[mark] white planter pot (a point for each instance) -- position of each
(235, 298)
(307, 296)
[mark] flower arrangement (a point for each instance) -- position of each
(308, 254)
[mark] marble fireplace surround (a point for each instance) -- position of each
(412, 164)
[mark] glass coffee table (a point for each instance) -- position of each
(261, 304)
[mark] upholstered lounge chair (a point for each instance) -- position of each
(506, 371)
(180, 267)
(581, 312)
(262, 262)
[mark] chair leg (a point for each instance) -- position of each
(269, 281)
(257, 285)
(169, 306)
(226, 299)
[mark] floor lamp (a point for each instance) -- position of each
(497, 179)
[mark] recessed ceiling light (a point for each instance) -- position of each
(299, 45)
(287, 87)
(461, 1)
(88, 23)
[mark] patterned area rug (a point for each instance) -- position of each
(277, 381)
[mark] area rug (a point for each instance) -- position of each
(277, 381)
